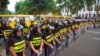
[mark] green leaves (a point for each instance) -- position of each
(89, 3)
(75, 5)
(35, 6)
(3, 6)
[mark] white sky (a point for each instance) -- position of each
(11, 5)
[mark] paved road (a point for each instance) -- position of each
(88, 44)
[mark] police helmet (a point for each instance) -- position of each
(16, 30)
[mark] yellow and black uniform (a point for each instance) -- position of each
(62, 29)
(18, 44)
(49, 39)
(36, 39)
(7, 32)
(25, 30)
(26, 26)
(56, 31)
(8, 29)
(62, 33)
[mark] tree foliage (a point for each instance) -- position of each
(45, 6)
(35, 6)
(3, 6)
(89, 3)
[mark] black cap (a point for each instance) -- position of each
(16, 30)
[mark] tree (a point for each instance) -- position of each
(72, 5)
(89, 4)
(35, 7)
(97, 6)
(3, 6)
(22, 7)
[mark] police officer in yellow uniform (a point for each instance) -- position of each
(48, 39)
(65, 23)
(62, 32)
(56, 35)
(16, 43)
(36, 41)
(7, 31)
(25, 29)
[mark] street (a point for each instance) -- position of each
(88, 44)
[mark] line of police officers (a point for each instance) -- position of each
(40, 37)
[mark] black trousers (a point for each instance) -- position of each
(49, 51)
(58, 48)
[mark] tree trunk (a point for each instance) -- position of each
(67, 12)
(77, 13)
(88, 8)
(97, 6)
(77, 9)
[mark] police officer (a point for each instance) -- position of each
(66, 32)
(16, 43)
(8, 26)
(56, 35)
(48, 39)
(2, 42)
(36, 41)
(62, 33)
(7, 30)
(74, 31)
(26, 27)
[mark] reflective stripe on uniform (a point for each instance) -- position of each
(8, 32)
(19, 42)
(25, 31)
(62, 30)
(19, 50)
(56, 35)
(48, 38)
(36, 41)
(19, 46)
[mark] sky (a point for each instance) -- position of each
(11, 5)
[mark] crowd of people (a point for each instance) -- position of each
(41, 36)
